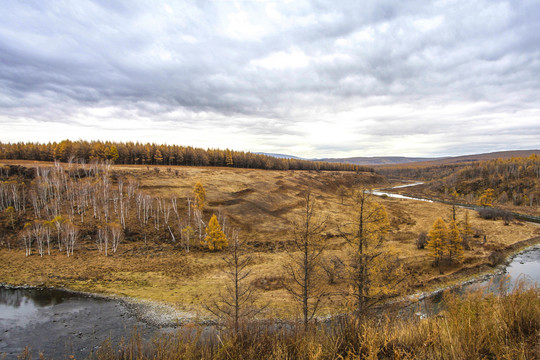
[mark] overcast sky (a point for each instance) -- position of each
(306, 78)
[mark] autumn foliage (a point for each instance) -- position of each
(215, 237)
(156, 154)
(445, 241)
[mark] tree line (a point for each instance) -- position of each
(158, 154)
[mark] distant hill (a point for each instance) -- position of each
(377, 160)
(398, 160)
(477, 157)
(282, 156)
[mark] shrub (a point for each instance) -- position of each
(422, 240)
(496, 257)
(489, 213)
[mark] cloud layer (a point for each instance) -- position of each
(310, 78)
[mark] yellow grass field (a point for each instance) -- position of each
(261, 204)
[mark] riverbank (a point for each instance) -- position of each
(153, 313)
(465, 277)
(472, 327)
(160, 314)
(81, 321)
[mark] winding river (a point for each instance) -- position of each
(57, 322)
(524, 268)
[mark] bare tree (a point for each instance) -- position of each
(72, 233)
(58, 222)
(333, 267)
(302, 267)
(103, 240)
(199, 222)
(26, 237)
(187, 234)
(38, 232)
(238, 301)
(117, 234)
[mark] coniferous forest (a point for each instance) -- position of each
(153, 154)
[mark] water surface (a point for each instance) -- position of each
(57, 322)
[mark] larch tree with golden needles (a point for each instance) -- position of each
(466, 231)
(158, 157)
(375, 270)
(200, 196)
(455, 243)
(438, 244)
(487, 197)
(229, 158)
(215, 238)
(112, 153)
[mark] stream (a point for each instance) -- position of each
(383, 193)
(57, 322)
(522, 270)
(523, 267)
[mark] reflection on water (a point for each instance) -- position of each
(20, 306)
(527, 265)
(56, 322)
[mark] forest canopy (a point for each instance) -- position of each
(158, 154)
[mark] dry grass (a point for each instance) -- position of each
(261, 204)
(503, 327)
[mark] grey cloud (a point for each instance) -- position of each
(151, 59)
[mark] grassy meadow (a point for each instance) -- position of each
(261, 204)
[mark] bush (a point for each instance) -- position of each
(422, 240)
(489, 213)
(495, 258)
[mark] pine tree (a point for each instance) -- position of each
(437, 244)
(215, 238)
